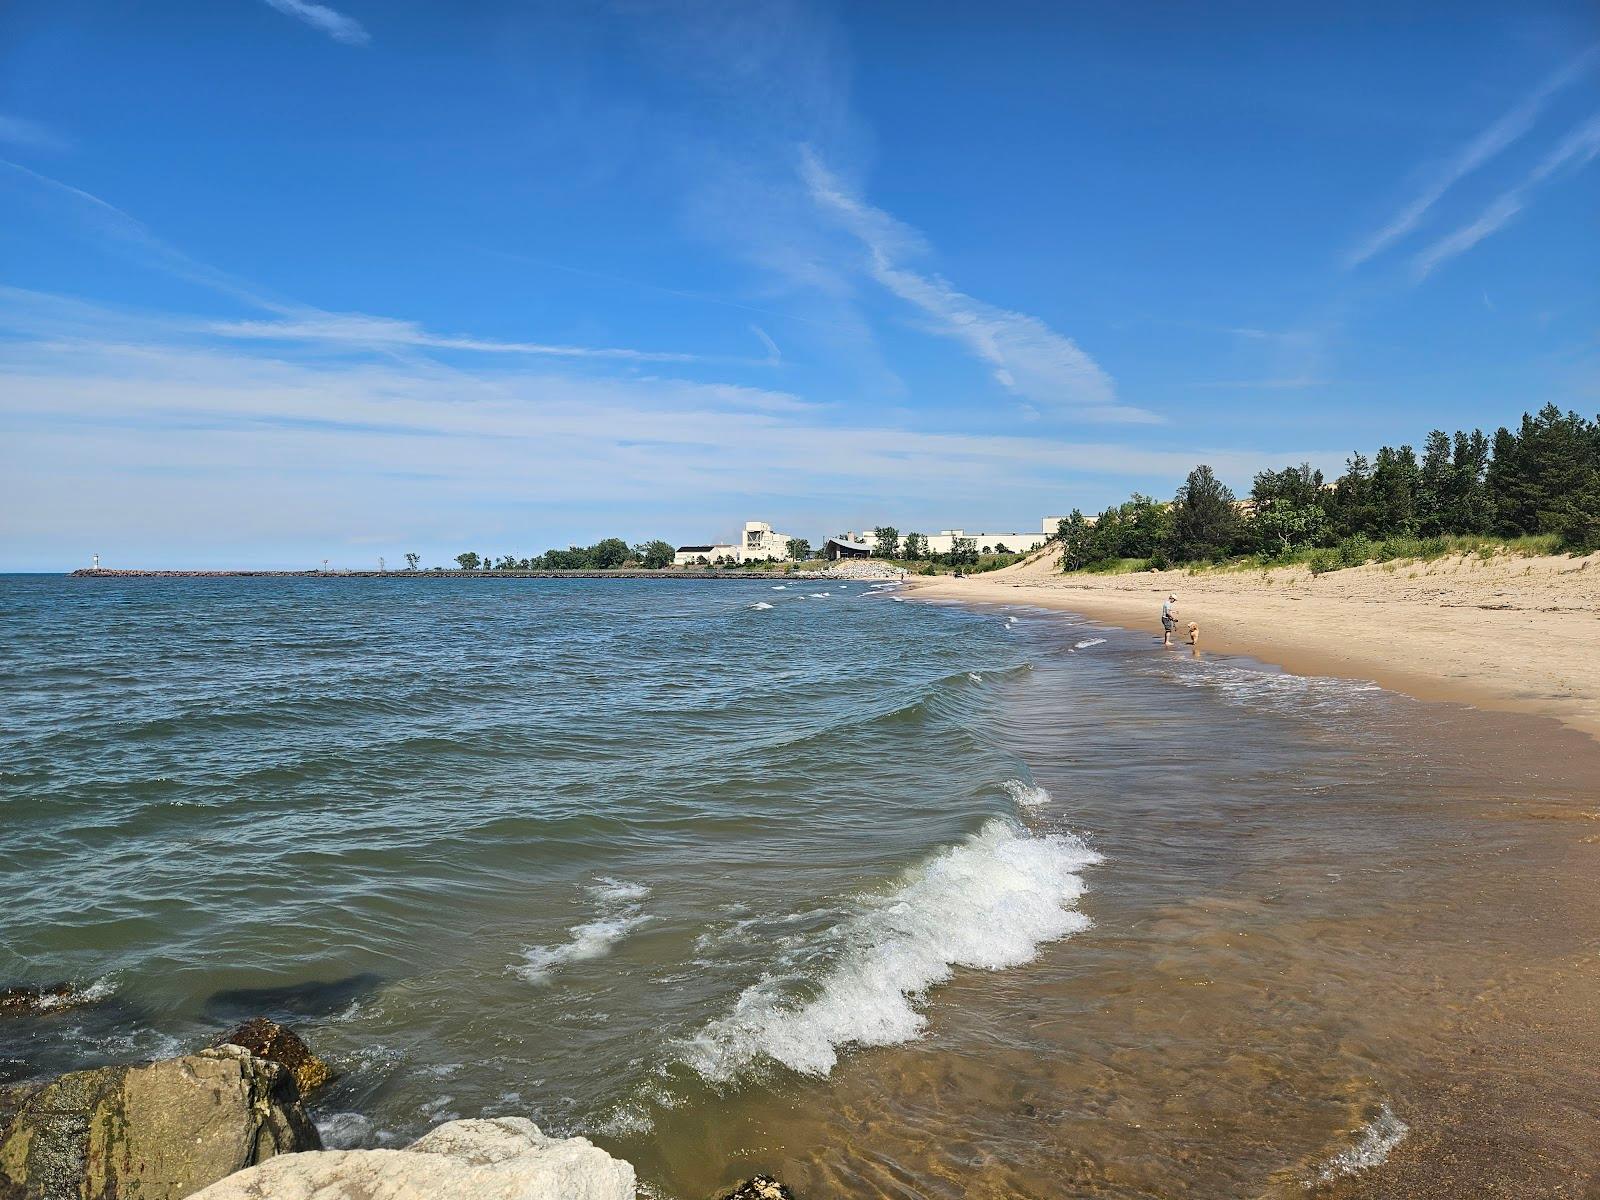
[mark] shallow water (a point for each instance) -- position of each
(893, 898)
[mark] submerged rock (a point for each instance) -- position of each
(25, 1001)
(760, 1187)
(505, 1158)
(155, 1131)
(266, 1039)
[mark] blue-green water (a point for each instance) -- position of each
(693, 868)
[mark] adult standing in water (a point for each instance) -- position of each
(1169, 618)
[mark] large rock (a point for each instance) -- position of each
(267, 1039)
(505, 1158)
(155, 1131)
(760, 1187)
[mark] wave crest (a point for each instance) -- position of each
(988, 903)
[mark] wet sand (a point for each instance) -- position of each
(1458, 994)
(1512, 634)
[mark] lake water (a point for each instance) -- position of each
(892, 898)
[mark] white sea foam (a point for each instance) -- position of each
(780, 587)
(1087, 642)
(820, 595)
(759, 605)
(1280, 691)
(988, 903)
(1029, 795)
(619, 914)
(100, 989)
(1376, 1140)
(975, 677)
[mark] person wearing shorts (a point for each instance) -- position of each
(1169, 619)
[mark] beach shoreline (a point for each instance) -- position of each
(1507, 634)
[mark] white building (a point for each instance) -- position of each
(759, 543)
(987, 543)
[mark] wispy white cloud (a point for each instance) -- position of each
(301, 322)
(1027, 357)
(331, 22)
(108, 435)
(1508, 129)
(1576, 150)
(130, 235)
(361, 331)
(19, 131)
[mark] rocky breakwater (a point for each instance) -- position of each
(228, 1123)
(156, 1131)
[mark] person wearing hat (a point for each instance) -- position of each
(1169, 620)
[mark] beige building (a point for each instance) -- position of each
(758, 543)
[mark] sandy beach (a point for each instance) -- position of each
(1512, 634)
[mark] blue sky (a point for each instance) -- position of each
(283, 281)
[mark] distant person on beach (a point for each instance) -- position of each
(1169, 620)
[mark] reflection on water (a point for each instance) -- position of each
(891, 899)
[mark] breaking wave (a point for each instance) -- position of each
(987, 903)
(1087, 642)
(1374, 1143)
(619, 912)
(1028, 795)
(759, 605)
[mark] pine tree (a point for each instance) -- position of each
(1205, 523)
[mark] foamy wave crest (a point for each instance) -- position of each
(1376, 1141)
(987, 903)
(1029, 795)
(820, 595)
(780, 587)
(619, 914)
(760, 605)
(975, 676)
(1087, 642)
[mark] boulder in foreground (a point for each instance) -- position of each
(504, 1158)
(277, 1043)
(155, 1131)
(760, 1187)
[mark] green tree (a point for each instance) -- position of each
(799, 549)
(1076, 536)
(1205, 523)
(1469, 465)
(654, 555)
(1435, 482)
(963, 552)
(888, 542)
(915, 547)
(468, 561)
(1281, 529)
(608, 554)
(1395, 477)
(412, 560)
(1294, 487)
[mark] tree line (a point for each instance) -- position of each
(913, 547)
(608, 554)
(1542, 478)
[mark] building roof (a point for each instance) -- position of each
(695, 549)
